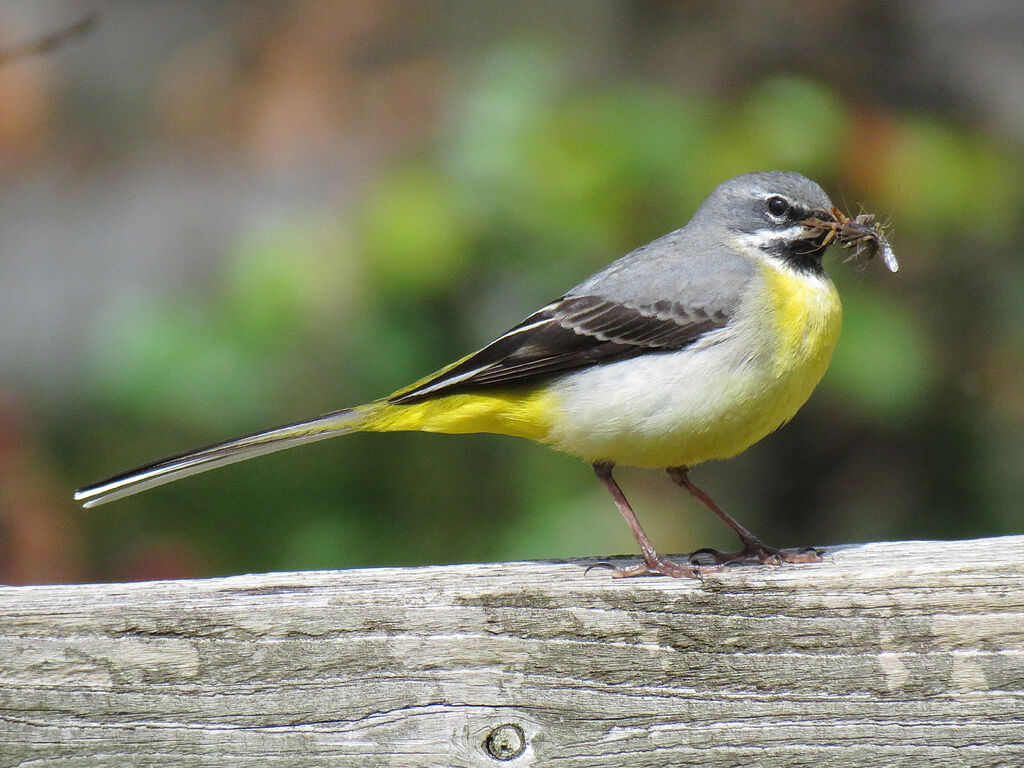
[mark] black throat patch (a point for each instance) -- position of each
(802, 254)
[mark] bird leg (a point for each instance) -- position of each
(753, 547)
(653, 562)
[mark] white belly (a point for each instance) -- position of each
(665, 409)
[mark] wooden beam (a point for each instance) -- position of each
(908, 653)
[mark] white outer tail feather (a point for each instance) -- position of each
(219, 455)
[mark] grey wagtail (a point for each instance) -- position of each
(690, 348)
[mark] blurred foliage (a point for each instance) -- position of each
(885, 366)
(531, 183)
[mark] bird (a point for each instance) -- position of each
(688, 349)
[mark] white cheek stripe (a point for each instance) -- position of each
(765, 238)
(753, 247)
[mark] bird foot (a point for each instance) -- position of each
(756, 551)
(655, 566)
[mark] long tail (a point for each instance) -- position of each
(220, 454)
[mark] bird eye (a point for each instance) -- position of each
(777, 206)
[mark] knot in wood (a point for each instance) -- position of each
(506, 742)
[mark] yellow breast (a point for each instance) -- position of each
(805, 317)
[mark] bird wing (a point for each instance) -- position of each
(574, 332)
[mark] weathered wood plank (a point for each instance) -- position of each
(909, 653)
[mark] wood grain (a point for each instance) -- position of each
(909, 653)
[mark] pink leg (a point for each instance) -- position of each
(653, 562)
(753, 547)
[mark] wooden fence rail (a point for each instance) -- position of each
(908, 653)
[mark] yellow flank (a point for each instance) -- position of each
(520, 414)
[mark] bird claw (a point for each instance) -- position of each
(602, 564)
(662, 566)
(756, 551)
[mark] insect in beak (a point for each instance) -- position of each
(862, 233)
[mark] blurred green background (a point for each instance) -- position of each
(218, 217)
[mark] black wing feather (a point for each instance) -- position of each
(575, 332)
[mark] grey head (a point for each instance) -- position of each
(763, 210)
(708, 259)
